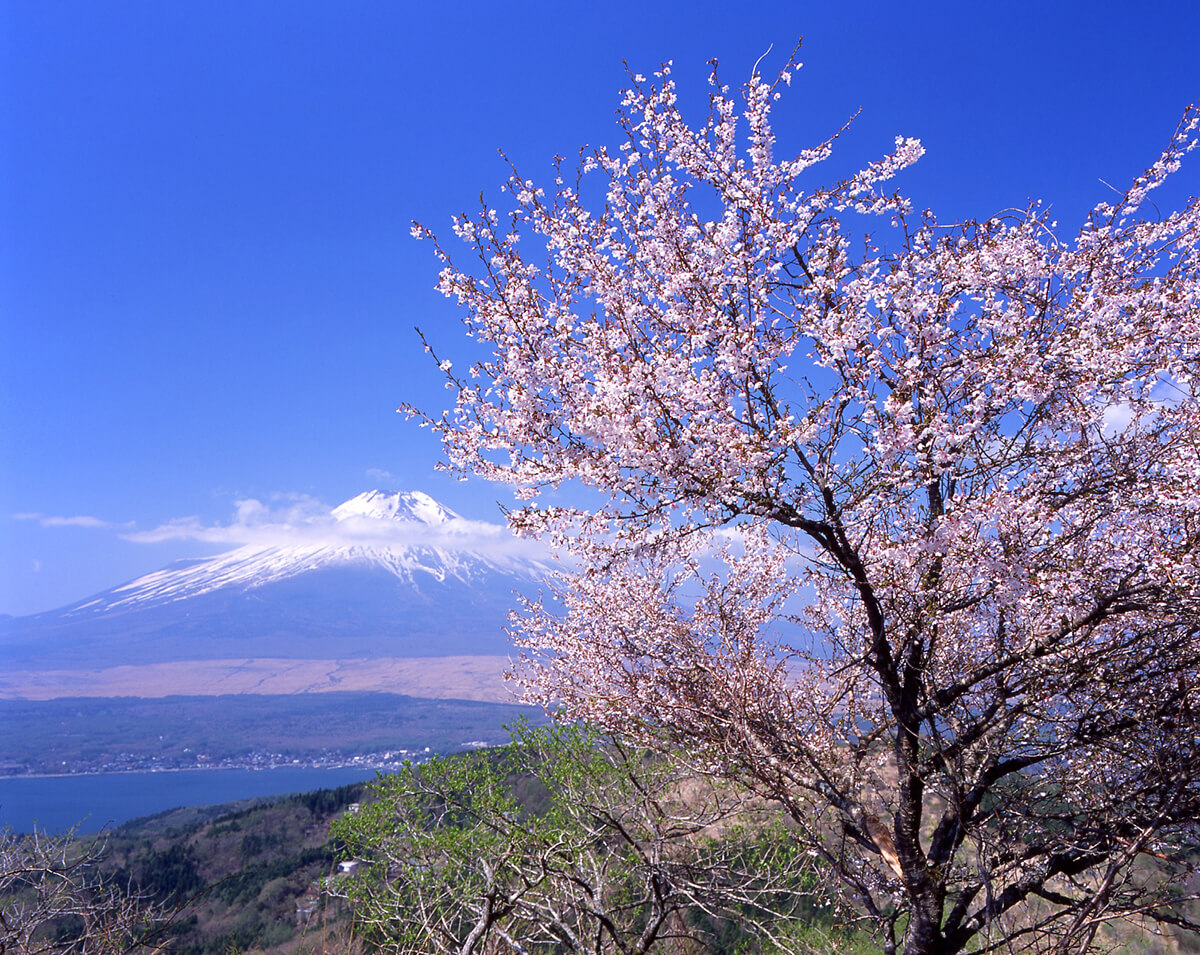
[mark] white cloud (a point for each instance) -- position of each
(299, 520)
(79, 520)
(284, 520)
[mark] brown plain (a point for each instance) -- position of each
(455, 677)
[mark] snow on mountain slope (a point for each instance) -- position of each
(384, 574)
(407, 534)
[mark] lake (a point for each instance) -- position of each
(108, 799)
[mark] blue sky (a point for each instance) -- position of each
(207, 285)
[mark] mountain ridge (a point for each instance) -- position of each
(384, 574)
(401, 532)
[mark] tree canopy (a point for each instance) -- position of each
(899, 529)
(567, 842)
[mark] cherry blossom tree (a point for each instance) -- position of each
(900, 530)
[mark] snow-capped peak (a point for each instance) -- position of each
(383, 565)
(405, 534)
(416, 506)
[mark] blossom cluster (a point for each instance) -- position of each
(950, 476)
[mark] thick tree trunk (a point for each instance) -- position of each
(923, 936)
(924, 933)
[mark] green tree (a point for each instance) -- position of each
(565, 843)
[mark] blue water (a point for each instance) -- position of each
(54, 803)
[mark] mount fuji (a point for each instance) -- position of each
(385, 574)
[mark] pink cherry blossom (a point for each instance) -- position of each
(867, 538)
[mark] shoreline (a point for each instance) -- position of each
(89, 802)
(189, 769)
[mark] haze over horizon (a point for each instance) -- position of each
(207, 284)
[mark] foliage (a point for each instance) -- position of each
(179, 881)
(244, 887)
(606, 850)
(266, 902)
(167, 875)
(900, 531)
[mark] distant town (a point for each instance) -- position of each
(384, 761)
(299, 731)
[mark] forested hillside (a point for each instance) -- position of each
(246, 878)
(243, 877)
